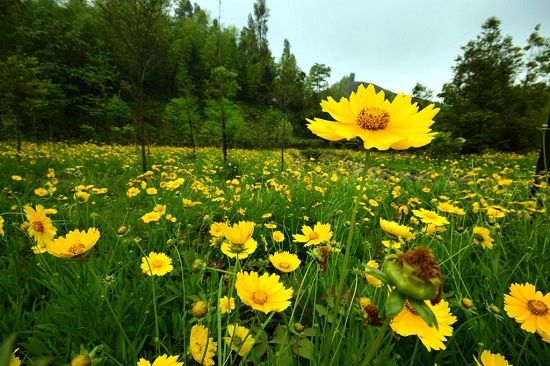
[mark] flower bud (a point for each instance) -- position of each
(121, 230)
(200, 309)
(415, 274)
(467, 303)
(494, 309)
(81, 360)
(298, 327)
(198, 265)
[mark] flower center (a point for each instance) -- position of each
(537, 307)
(76, 248)
(156, 263)
(373, 119)
(38, 226)
(259, 297)
(313, 235)
(479, 238)
(284, 265)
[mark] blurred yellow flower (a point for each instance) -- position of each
(371, 280)
(151, 216)
(489, 359)
(408, 323)
(41, 192)
(240, 339)
(1, 226)
(132, 192)
(202, 348)
(227, 304)
(151, 191)
(430, 217)
(278, 236)
(482, 236)
(396, 230)
(379, 123)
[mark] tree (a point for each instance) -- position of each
(420, 91)
(137, 26)
(317, 78)
(222, 86)
(287, 88)
(22, 92)
(480, 96)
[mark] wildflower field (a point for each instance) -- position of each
(193, 262)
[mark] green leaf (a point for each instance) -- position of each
(424, 311)
(394, 304)
(377, 273)
(305, 348)
(6, 350)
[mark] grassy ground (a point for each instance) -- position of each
(56, 306)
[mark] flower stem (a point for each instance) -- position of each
(518, 361)
(377, 342)
(414, 353)
(157, 336)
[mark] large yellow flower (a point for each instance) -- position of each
(240, 339)
(529, 307)
(284, 261)
(264, 293)
(396, 230)
(40, 226)
(76, 242)
(319, 234)
(491, 359)
(379, 123)
(408, 322)
(202, 347)
(163, 360)
(156, 264)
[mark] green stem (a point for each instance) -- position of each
(522, 349)
(344, 268)
(157, 336)
(377, 342)
(414, 353)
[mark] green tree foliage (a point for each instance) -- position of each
(317, 78)
(485, 104)
(22, 93)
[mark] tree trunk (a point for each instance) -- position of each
(224, 134)
(543, 163)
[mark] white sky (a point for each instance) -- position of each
(391, 43)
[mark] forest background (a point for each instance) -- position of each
(165, 73)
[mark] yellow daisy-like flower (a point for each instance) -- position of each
(239, 233)
(156, 264)
(447, 207)
(528, 307)
(75, 243)
(152, 216)
(202, 347)
(1, 226)
(16, 178)
(278, 236)
(396, 230)
(379, 123)
(373, 281)
(482, 236)
(263, 293)
(132, 192)
(239, 242)
(151, 191)
(240, 339)
(163, 360)
(430, 217)
(227, 304)
(40, 226)
(319, 234)
(81, 196)
(41, 192)
(489, 359)
(408, 323)
(284, 261)
(495, 211)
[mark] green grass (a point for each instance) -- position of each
(103, 299)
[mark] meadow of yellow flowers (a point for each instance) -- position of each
(368, 257)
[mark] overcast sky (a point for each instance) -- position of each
(391, 43)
